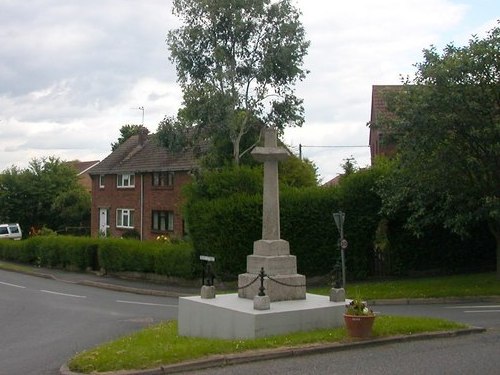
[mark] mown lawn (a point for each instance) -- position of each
(473, 285)
(161, 345)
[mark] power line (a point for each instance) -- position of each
(332, 146)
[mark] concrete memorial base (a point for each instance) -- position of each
(230, 317)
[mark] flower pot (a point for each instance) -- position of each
(359, 326)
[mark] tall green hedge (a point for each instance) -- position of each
(110, 254)
(226, 225)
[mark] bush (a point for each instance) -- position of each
(114, 255)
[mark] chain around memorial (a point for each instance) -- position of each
(285, 284)
(250, 283)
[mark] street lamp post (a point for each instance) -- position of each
(339, 218)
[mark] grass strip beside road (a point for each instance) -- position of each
(471, 285)
(161, 345)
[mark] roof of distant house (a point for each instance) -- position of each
(334, 181)
(379, 103)
(82, 166)
(143, 153)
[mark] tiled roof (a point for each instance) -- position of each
(334, 181)
(132, 157)
(82, 166)
(379, 105)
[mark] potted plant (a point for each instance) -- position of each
(359, 319)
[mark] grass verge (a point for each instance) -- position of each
(484, 284)
(15, 267)
(161, 345)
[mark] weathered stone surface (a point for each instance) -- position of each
(271, 247)
(273, 265)
(207, 292)
(337, 295)
(261, 303)
(271, 253)
(275, 290)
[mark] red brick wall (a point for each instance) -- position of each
(155, 198)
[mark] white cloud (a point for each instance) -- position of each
(72, 73)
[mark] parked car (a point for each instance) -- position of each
(10, 231)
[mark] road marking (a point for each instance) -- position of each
(14, 285)
(481, 311)
(62, 294)
(145, 303)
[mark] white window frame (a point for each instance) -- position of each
(156, 222)
(124, 218)
(101, 180)
(125, 180)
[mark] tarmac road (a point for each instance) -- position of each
(469, 354)
(45, 322)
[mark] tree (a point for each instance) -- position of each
(447, 126)
(294, 172)
(237, 63)
(173, 134)
(350, 166)
(47, 193)
(126, 131)
(73, 207)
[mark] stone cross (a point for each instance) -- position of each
(271, 253)
(270, 155)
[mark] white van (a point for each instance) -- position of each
(10, 231)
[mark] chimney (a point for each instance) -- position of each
(143, 135)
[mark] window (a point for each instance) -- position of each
(163, 221)
(125, 180)
(163, 179)
(124, 218)
(101, 180)
(14, 229)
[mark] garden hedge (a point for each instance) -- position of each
(110, 254)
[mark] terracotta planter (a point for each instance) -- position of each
(359, 326)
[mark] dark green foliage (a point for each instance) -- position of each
(46, 194)
(112, 255)
(237, 63)
(226, 229)
(307, 224)
(225, 182)
(295, 172)
(173, 134)
(225, 223)
(362, 205)
(446, 122)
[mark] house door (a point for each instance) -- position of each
(103, 222)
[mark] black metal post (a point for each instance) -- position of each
(262, 289)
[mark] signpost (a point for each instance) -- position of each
(339, 218)
(207, 275)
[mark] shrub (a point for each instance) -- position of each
(112, 254)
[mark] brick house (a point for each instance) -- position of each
(138, 188)
(379, 145)
(82, 169)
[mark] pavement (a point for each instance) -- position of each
(139, 286)
(118, 282)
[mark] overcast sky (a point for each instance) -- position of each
(73, 72)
